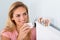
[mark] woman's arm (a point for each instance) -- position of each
(4, 38)
(5, 35)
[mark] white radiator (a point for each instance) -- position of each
(46, 33)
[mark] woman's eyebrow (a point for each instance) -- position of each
(25, 12)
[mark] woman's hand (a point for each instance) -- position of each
(45, 21)
(24, 30)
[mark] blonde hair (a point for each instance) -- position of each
(10, 25)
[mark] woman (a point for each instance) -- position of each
(16, 27)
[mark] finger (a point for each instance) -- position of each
(40, 19)
(47, 22)
(26, 28)
(27, 31)
(25, 25)
(24, 33)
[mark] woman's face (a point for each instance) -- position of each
(20, 16)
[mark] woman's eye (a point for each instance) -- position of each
(18, 15)
(25, 14)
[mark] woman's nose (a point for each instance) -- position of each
(21, 17)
